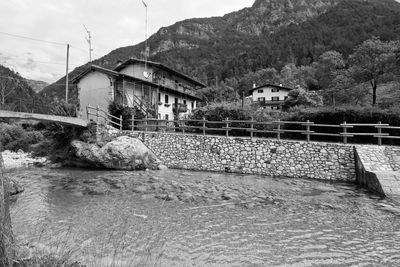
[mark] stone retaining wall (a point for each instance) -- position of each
(295, 159)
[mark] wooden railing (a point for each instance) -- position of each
(99, 114)
(275, 129)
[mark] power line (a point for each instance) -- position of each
(33, 39)
(41, 40)
(41, 62)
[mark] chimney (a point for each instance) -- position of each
(254, 85)
(119, 62)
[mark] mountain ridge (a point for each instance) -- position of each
(257, 37)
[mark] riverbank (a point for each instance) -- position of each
(20, 159)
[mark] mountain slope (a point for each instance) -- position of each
(37, 86)
(271, 33)
(13, 87)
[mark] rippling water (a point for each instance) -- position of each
(314, 223)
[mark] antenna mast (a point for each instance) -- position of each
(89, 40)
(146, 48)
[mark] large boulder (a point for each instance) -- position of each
(123, 153)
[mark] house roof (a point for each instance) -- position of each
(93, 68)
(161, 66)
(270, 85)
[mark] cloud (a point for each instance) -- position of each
(30, 64)
(112, 24)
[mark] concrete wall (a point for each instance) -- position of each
(378, 169)
(95, 89)
(258, 156)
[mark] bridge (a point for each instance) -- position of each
(71, 121)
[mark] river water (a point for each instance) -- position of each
(267, 221)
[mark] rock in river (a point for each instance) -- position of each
(123, 153)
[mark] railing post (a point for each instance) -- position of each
(179, 124)
(120, 122)
(308, 130)
(344, 132)
(227, 127)
(252, 128)
(97, 114)
(146, 123)
(204, 125)
(87, 111)
(279, 130)
(379, 133)
(133, 123)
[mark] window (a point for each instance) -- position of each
(275, 98)
(261, 99)
(159, 116)
(286, 97)
(176, 101)
(166, 117)
(275, 108)
(260, 91)
(193, 105)
(274, 90)
(159, 97)
(166, 99)
(184, 102)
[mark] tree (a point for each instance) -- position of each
(372, 61)
(327, 68)
(7, 86)
(222, 93)
(300, 97)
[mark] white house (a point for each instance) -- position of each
(270, 95)
(157, 90)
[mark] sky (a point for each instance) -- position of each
(112, 24)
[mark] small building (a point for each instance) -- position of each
(155, 89)
(270, 95)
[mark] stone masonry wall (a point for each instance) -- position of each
(313, 160)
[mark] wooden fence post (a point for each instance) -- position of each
(180, 122)
(227, 126)
(308, 130)
(97, 114)
(279, 130)
(120, 122)
(204, 125)
(379, 133)
(252, 128)
(344, 132)
(133, 123)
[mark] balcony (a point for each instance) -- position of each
(180, 108)
(270, 103)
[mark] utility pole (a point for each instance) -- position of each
(89, 40)
(146, 49)
(66, 76)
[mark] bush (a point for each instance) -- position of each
(321, 115)
(338, 115)
(14, 137)
(117, 110)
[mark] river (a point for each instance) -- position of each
(183, 218)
